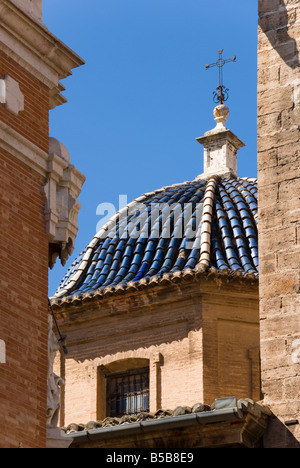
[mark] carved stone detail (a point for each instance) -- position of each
(61, 190)
(55, 436)
(54, 381)
(11, 95)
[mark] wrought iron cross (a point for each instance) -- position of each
(221, 95)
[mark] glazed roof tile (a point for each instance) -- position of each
(203, 225)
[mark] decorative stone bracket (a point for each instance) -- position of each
(11, 95)
(61, 190)
(2, 352)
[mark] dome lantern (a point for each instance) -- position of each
(220, 147)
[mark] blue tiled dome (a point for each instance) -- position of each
(223, 238)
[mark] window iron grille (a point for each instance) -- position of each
(128, 393)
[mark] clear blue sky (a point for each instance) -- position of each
(143, 96)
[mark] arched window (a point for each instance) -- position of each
(123, 388)
(128, 392)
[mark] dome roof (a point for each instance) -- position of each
(205, 225)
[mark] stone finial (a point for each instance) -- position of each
(220, 147)
(221, 113)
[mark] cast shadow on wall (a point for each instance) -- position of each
(278, 435)
(280, 39)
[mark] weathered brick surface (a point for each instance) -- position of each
(33, 122)
(23, 275)
(198, 338)
(279, 212)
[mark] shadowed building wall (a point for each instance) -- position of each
(279, 214)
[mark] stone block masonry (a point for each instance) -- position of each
(279, 214)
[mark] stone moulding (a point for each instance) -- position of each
(62, 188)
(23, 150)
(33, 7)
(177, 279)
(36, 49)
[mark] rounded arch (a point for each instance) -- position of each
(113, 361)
(127, 364)
(116, 371)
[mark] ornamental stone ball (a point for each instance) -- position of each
(221, 113)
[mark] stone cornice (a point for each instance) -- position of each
(216, 137)
(36, 49)
(118, 299)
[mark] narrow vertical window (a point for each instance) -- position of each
(128, 392)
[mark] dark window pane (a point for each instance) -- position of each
(128, 392)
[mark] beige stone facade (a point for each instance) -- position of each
(279, 214)
(199, 338)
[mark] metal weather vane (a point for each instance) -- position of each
(221, 95)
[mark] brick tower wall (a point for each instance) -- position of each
(23, 272)
(36, 192)
(279, 214)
